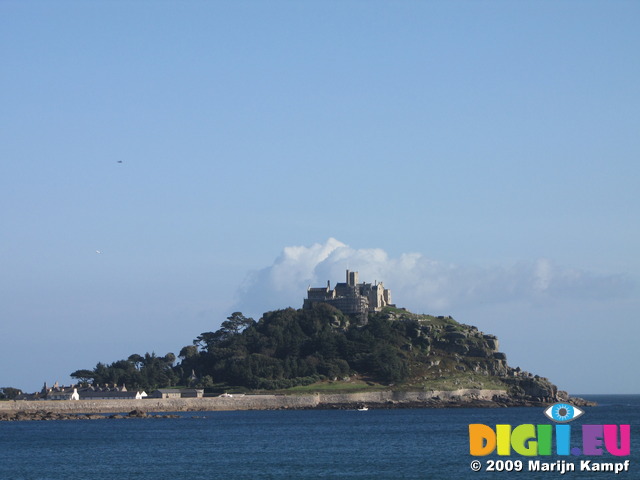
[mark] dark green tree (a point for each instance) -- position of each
(236, 323)
(9, 393)
(83, 376)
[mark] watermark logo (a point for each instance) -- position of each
(563, 412)
(530, 440)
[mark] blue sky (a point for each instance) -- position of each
(482, 157)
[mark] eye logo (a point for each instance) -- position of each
(562, 412)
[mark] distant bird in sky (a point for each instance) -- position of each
(119, 161)
(98, 251)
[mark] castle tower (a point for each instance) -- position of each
(352, 278)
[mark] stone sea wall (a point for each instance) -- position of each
(462, 397)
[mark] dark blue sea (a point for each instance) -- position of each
(303, 444)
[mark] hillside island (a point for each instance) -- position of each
(347, 347)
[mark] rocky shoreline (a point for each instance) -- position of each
(44, 415)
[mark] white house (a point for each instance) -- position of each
(70, 393)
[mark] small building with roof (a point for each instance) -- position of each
(64, 393)
(178, 393)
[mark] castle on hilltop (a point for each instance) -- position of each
(351, 297)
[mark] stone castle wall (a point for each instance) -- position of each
(253, 402)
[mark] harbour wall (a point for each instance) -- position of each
(459, 397)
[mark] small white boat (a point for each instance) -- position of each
(363, 409)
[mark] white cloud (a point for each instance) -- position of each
(417, 282)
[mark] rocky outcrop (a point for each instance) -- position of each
(41, 415)
(453, 349)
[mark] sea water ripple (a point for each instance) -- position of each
(301, 444)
